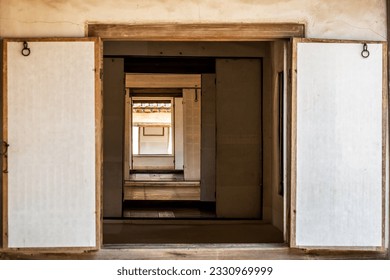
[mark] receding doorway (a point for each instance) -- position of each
(235, 149)
(162, 147)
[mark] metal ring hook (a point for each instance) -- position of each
(6, 145)
(4, 153)
(26, 50)
(365, 53)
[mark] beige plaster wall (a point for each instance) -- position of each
(341, 19)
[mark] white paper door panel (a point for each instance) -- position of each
(179, 146)
(51, 132)
(339, 145)
(192, 137)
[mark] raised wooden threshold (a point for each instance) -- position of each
(197, 32)
(196, 252)
(157, 190)
(155, 176)
(167, 211)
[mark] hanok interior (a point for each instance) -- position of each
(193, 142)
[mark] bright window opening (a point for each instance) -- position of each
(152, 127)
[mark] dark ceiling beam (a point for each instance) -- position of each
(182, 65)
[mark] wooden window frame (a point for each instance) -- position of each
(203, 32)
(281, 129)
(128, 141)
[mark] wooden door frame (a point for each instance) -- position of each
(98, 54)
(158, 81)
(388, 116)
(1, 135)
(235, 32)
(128, 143)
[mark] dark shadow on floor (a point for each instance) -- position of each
(165, 231)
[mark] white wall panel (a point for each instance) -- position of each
(179, 149)
(339, 145)
(51, 132)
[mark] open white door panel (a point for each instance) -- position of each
(192, 134)
(338, 144)
(52, 123)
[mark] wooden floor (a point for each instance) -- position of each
(168, 213)
(196, 252)
(164, 187)
(189, 249)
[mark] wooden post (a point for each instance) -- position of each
(388, 70)
(1, 138)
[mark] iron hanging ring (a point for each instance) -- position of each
(6, 145)
(26, 50)
(365, 53)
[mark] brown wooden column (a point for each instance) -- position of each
(238, 122)
(388, 79)
(113, 118)
(1, 137)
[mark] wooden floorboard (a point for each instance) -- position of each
(146, 191)
(156, 177)
(168, 213)
(162, 183)
(160, 186)
(196, 252)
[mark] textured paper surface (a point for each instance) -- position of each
(51, 132)
(339, 145)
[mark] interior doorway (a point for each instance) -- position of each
(162, 147)
(152, 135)
(234, 150)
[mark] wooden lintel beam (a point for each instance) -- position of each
(195, 32)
